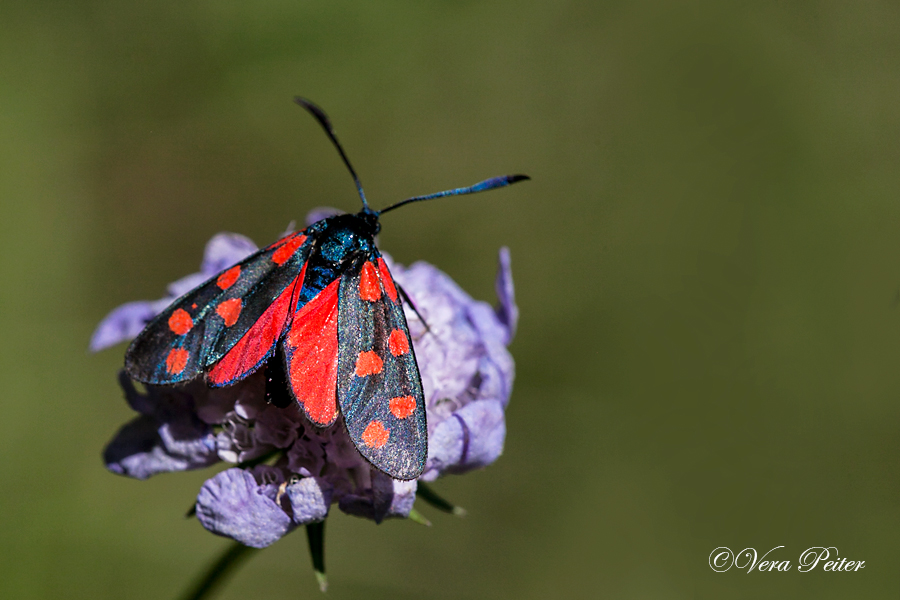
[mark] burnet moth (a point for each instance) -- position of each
(319, 310)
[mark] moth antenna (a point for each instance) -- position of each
(481, 186)
(324, 121)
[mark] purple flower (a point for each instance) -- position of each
(284, 471)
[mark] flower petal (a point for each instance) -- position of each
(183, 439)
(403, 499)
(124, 323)
(310, 498)
(507, 311)
(472, 438)
(233, 505)
(143, 448)
(224, 250)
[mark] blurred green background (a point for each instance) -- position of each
(707, 265)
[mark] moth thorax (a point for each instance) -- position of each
(341, 243)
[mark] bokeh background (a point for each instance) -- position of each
(707, 263)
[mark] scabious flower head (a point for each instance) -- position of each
(285, 472)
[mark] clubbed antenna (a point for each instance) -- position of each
(481, 186)
(323, 120)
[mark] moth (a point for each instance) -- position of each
(320, 311)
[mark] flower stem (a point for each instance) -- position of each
(217, 573)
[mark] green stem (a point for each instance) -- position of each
(217, 573)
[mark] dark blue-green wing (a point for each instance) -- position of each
(226, 326)
(379, 390)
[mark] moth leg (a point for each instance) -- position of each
(413, 306)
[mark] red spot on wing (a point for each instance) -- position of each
(176, 361)
(287, 249)
(180, 321)
(387, 280)
(402, 407)
(227, 279)
(398, 343)
(229, 310)
(368, 363)
(312, 351)
(369, 288)
(258, 340)
(376, 435)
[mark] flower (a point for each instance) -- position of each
(285, 472)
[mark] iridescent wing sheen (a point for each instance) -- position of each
(379, 390)
(227, 326)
